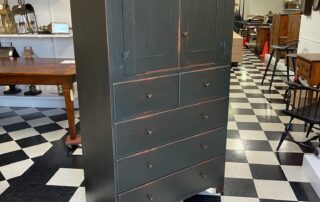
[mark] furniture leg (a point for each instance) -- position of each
(267, 68)
(274, 70)
(294, 66)
(72, 138)
(309, 129)
(285, 133)
(288, 65)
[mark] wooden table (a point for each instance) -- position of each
(43, 72)
(309, 67)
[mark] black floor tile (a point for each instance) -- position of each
(233, 134)
(7, 114)
(16, 126)
(243, 112)
(269, 119)
(5, 138)
(267, 172)
(242, 100)
(12, 157)
(304, 191)
(202, 198)
(48, 128)
(239, 187)
(59, 117)
(285, 158)
(252, 95)
(257, 145)
(33, 116)
(236, 156)
(260, 106)
(31, 141)
(248, 126)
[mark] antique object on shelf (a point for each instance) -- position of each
(309, 68)
(25, 18)
(316, 5)
(306, 6)
(44, 72)
(55, 28)
(29, 54)
(8, 51)
(7, 25)
(262, 37)
(154, 127)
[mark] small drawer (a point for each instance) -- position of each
(146, 96)
(204, 85)
(178, 186)
(159, 162)
(148, 132)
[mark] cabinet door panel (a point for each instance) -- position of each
(150, 35)
(199, 31)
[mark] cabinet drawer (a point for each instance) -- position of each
(145, 133)
(146, 96)
(204, 85)
(161, 161)
(303, 69)
(175, 187)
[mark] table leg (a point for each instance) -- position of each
(73, 138)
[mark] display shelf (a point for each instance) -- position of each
(292, 9)
(36, 35)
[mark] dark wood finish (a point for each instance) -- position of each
(262, 37)
(309, 67)
(294, 27)
(43, 72)
(306, 7)
(149, 50)
(279, 30)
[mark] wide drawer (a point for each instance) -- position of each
(204, 85)
(146, 96)
(159, 162)
(180, 185)
(152, 131)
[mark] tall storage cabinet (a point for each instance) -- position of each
(153, 80)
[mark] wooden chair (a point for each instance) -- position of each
(287, 47)
(302, 103)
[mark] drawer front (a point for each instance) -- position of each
(303, 69)
(159, 162)
(204, 85)
(180, 185)
(148, 132)
(147, 96)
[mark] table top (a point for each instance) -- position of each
(312, 57)
(36, 67)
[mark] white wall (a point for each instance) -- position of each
(47, 11)
(310, 33)
(262, 7)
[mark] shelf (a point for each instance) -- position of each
(293, 9)
(36, 35)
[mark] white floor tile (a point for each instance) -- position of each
(279, 127)
(252, 135)
(238, 199)
(237, 95)
(294, 173)
(11, 120)
(53, 112)
(5, 109)
(40, 122)
(273, 96)
(234, 144)
(261, 157)
(252, 91)
(67, 177)
(240, 105)
(277, 106)
(232, 125)
(238, 170)
(7, 147)
(26, 111)
(79, 195)
(54, 135)
(3, 186)
(247, 83)
(285, 147)
(246, 118)
(235, 87)
(258, 100)
(274, 190)
(2, 130)
(265, 112)
(37, 150)
(77, 152)
(16, 169)
(20, 134)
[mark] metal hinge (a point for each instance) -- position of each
(125, 55)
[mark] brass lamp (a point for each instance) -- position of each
(25, 18)
(7, 25)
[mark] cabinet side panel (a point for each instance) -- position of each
(91, 51)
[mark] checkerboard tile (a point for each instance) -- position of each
(35, 163)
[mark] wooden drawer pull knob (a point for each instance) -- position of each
(204, 116)
(149, 96)
(204, 176)
(149, 165)
(149, 132)
(203, 146)
(206, 84)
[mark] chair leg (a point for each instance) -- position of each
(294, 66)
(288, 66)
(267, 68)
(309, 129)
(274, 71)
(285, 134)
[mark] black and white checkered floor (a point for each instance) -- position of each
(35, 164)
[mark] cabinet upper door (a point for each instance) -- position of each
(150, 35)
(200, 31)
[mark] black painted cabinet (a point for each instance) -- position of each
(153, 80)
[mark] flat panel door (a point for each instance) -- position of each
(150, 35)
(199, 31)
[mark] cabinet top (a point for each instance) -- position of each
(312, 57)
